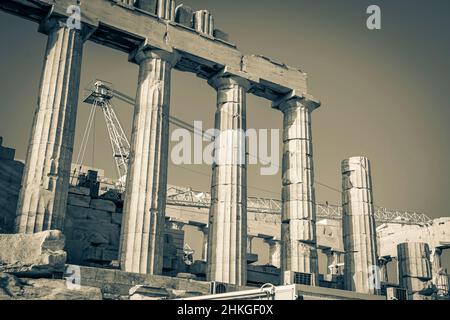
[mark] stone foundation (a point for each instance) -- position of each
(116, 284)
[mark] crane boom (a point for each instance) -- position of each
(100, 94)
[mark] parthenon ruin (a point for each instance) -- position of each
(139, 234)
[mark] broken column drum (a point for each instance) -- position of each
(204, 22)
(333, 260)
(359, 230)
(274, 252)
(45, 182)
(298, 213)
(227, 236)
(383, 265)
(440, 276)
(142, 236)
(414, 266)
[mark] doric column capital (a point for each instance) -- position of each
(292, 100)
(221, 81)
(52, 23)
(143, 53)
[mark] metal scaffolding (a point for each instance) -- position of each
(179, 196)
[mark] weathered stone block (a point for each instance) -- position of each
(99, 215)
(147, 5)
(80, 190)
(78, 200)
(13, 288)
(104, 205)
(75, 212)
(32, 254)
(184, 15)
(116, 218)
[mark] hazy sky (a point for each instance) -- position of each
(385, 94)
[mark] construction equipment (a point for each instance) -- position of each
(99, 94)
(266, 292)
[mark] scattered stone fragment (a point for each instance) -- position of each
(38, 254)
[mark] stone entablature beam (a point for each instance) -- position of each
(124, 27)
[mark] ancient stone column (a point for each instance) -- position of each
(142, 235)
(249, 243)
(204, 22)
(440, 276)
(333, 259)
(382, 264)
(45, 182)
(298, 214)
(164, 9)
(414, 267)
(358, 224)
(274, 252)
(204, 230)
(436, 260)
(227, 237)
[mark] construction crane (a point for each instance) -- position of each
(99, 93)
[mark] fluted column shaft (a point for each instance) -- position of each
(164, 9)
(383, 265)
(204, 22)
(45, 182)
(298, 214)
(142, 236)
(360, 239)
(436, 260)
(227, 237)
(249, 244)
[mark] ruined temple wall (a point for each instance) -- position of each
(92, 230)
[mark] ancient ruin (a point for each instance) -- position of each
(129, 244)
